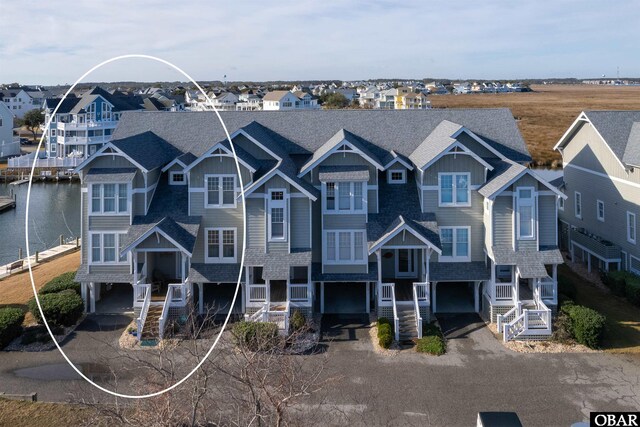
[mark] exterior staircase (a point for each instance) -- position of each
(407, 318)
(151, 328)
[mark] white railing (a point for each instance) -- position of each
(386, 292)
(164, 316)
(548, 290)
(533, 322)
(422, 292)
(267, 314)
(300, 292)
(515, 327)
(140, 291)
(503, 291)
(416, 306)
(142, 318)
(26, 161)
(257, 293)
(508, 317)
(396, 319)
(260, 315)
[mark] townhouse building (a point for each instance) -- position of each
(598, 220)
(403, 213)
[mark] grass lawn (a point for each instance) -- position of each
(17, 413)
(623, 319)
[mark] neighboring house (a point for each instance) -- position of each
(18, 101)
(84, 124)
(9, 145)
(408, 213)
(249, 102)
(283, 100)
(412, 101)
(599, 219)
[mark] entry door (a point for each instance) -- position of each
(406, 262)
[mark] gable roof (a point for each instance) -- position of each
(147, 149)
(276, 95)
(505, 174)
(401, 224)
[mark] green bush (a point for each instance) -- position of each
(60, 309)
(11, 319)
(432, 344)
(383, 321)
(616, 281)
(385, 332)
(632, 290)
(297, 321)
(256, 336)
(586, 325)
(63, 282)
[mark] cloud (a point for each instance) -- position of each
(319, 40)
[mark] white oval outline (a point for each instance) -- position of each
(244, 234)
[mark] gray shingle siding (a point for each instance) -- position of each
(460, 163)
(256, 223)
(111, 222)
(548, 222)
(503, 220)
(300, 216)
(345, 222)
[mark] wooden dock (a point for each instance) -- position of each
(19, 182)
(7, 202)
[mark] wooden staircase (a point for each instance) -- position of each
(407, 318)
(151, 329)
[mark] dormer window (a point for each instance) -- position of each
(220, 191)
(177, 178)
(396, 176)
(344, 197)
(454, 189)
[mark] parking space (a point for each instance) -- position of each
(345, 298)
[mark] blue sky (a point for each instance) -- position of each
(57, 41)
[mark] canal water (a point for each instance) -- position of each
(54, 210)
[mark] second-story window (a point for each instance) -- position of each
(109, 198)
(454, 189)
(177, 178)
(344, 196)
(398, 176)
(220, 245)
(456, 244)
(345, 247)
(277, 215)
(526, 213)
(221, 191)
(578, 205)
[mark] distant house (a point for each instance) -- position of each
(249, 102)
(283, 100)
(599, 219)
(412, 101)
(19, 101)
(9, 146)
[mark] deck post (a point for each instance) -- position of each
(243, 303)
(588, 261)
(476, 296)
(201, 298)
(92, 297)
(435, 288)
(368, 297)
(379, 262)
(83, 293)
(321, 297)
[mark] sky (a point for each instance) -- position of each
(55, 42)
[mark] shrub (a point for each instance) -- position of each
(63, 282)
(60, 309)
(256, 336)
(586, 325)
(562, 332)
(11, 319)
(632, 289)
(385, 332)
(616, 281)
(383, 321)
(36, 334)
(432, 344)
(297, 321)
(567, 288)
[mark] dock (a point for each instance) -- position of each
(37, 258)
(7, 202)
(19, 182)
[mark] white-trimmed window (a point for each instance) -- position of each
(456, 244)
(526, 213)
(177, 178)
(396, 176)
(631, 227)
(577, 204)
(110, 199)
(277, 215)
(344, 197)
(106, 248)
(453, 189)
(600, 210)
(220, 191)
(345, 247)
(220, 245)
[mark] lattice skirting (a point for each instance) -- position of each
(384, 311)
(499, 309)
(251, 310)
(485, 313)
(307, 312)
(532, 337)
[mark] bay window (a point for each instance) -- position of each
(345, 247)
(220, 191)
(109, 198)
(456, 244)
(220, 246)
(453, 189)
(526, 213)
(344, 197)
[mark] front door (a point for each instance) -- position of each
(406, 262)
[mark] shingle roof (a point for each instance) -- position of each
(436, 142)
(503, 173)
(318, 276)
(530, 262)
(343, 173)
(307, 131)
(615, 127)
(214, 273)
(83, 275)
(147, 149)
(275, 95)
(458, 271)
(110, 175)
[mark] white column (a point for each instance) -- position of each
(183, 264)
(83, 292)
(268, 291)
(433, 304)
(321, 297)
(92, 298)
(516, 290)
(476, 296)
(379, 260)
(243, 291)
(201, 298)
(134, 257)
(368, 296)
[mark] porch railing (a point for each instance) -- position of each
(387, 292)
(548, 290)
(140, 292)
(396, 319)
(142, 318)
(267, 314)
(300, 293)
(503, 291)
(164, 316)
(508, 317)
(416, 306)
(257, 293)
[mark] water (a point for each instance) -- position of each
(54, 210)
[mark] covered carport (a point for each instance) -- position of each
(344, 293)
(114, 298)
(214, 286)
(456, 287)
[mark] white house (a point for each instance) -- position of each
(283, 100)
(9, 146)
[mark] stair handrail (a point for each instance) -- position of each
(162, 322)
(511, 329)
(258, 316)
(142, 317)
(416, 306)
(503, 319)
(396, 319)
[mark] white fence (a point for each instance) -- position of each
(26, 161)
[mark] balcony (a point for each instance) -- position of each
(103, 124)
(597, 246)
(82, 140)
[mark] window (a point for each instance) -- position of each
(454, 189)
(344, 197)
(560, 203)
(345, 247)
(631, 227)
(398, 176)
(578, 205)
(221, 191)
(220, 245)
(600, 210)
(109, 198)
(106, 248)
(504, 273)
(526, 217)
(177, 178)
(456, 245)
(277, 215)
